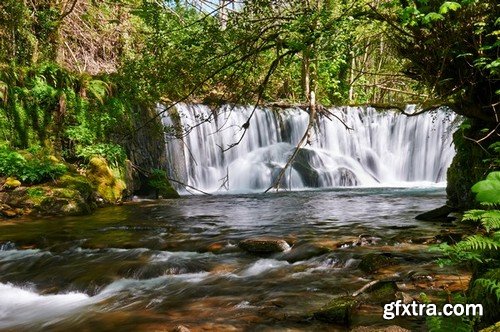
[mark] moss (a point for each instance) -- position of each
(478, 293)
(468, 166)
(383, 292)
(159, 182)
(108, 185)
(337, 311)
(11, 183)
(76, 182)
(374, 261)
(56, 201)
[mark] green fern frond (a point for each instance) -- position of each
(478, 242)
(99, 89)
(492, 286)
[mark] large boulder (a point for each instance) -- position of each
(264, 245)
(109, 186)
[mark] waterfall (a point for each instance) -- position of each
(382, 148)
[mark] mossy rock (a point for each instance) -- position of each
(382, 292)
(11, 183)
(478, 293)
(57, 201)
(109, 186)
(159, 183)
(493, 328)
(76, 182)
(468, 166)
(338, 311)
(264, 245)
(374, 261)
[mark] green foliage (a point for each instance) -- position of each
(451, 323)
(488, 191)
(452, 47)
(492, 286)
(30, 168)
(482, 248)
(113, 153)
(158, 181)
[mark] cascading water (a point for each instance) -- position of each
(381, 149)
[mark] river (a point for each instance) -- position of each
(153, 265)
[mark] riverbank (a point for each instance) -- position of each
(78, 191)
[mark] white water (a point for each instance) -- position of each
(383, 149)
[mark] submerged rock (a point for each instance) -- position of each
(264, 245)
(304, 251)
(440, 214)
(337, 311)
(374, 261)
(9, 212)
(181, 328)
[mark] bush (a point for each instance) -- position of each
(31, 169)
(113, 153)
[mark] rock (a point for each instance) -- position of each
(338, 311)
(76, 182)
(479, 293)
(383, 292)
(11, 183)
(181, 328)
(304, 251)
(406, 298)
(109, 186)
(374, 261)
(391, 328)
(9, 213)
(440, 214)
(448, 237)
(264, 245)
(302, 164)
(61, 201)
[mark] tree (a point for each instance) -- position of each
(453, 48)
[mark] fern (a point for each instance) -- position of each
(478, 242)
(492, 286)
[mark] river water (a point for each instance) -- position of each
(153, 265)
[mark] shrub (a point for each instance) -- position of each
(31, 168)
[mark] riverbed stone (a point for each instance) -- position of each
(439, 214)
(383, 292)
(8, 212)
(264, 245)
(372, 262)
(181, 328)
(304, 251)
(337, 311)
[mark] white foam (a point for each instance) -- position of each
(262, 265)
(22, 306)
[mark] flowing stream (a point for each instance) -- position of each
(153, 265)
(380, 148)
(156, 264)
